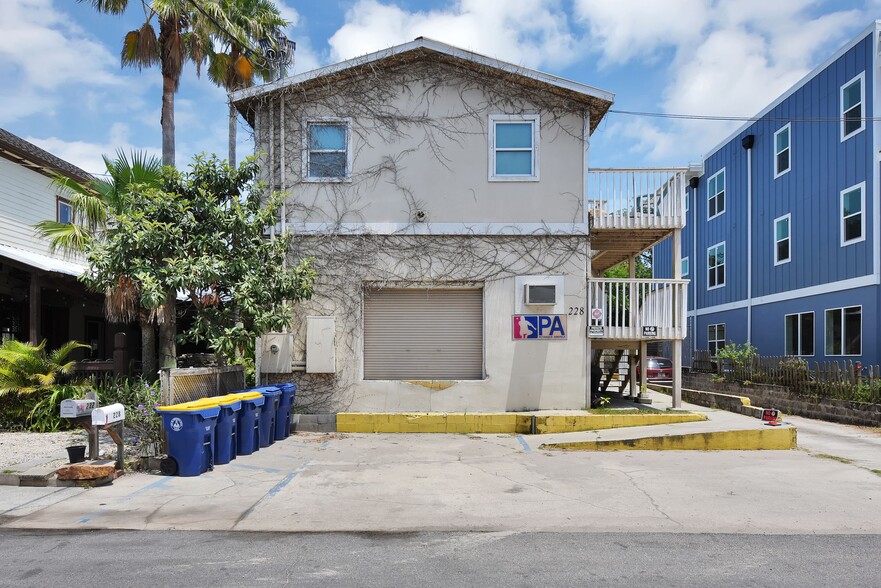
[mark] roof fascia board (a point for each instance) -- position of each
(797, 86)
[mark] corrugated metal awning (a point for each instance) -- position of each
(41, 261)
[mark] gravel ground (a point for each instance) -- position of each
(18, 448)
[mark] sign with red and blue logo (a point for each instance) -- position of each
(539, 326)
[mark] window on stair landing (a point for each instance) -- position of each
(799, 333)
(852, 110)
(513, 148)
(715, 338)
(327, 150)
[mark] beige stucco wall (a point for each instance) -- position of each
(419, 141)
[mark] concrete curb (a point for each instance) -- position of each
(778, 438)
(730, 402)
(511, 423)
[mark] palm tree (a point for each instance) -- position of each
(92, 203)
(231, 67)
(28, 369)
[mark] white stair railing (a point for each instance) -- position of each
(637, 309)
(636, 198)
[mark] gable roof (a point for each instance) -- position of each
(598, 101)
(16, 149)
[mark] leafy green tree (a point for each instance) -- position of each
(92, 203)
(29, 369)
(201, 235)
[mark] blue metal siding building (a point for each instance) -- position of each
(800, 221)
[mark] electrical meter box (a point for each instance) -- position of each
(276, 353)
(320, 345)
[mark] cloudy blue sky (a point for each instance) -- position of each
(61, 86)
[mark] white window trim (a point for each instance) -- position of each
(777, 172)
(717, 340)
(685, 262)
(724, 264)
(862, 188)
(842, 309)
(862, 79)
(724, 189)
(59, 202)
(305, 177)
(798, 335)
(788, 218)
(536, 142)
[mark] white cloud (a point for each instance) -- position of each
(533, 33)
(628, 29)
(87, 155)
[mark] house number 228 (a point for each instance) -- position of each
(576, 310)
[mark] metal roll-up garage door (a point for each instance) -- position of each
(423, 334)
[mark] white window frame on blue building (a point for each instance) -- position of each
(795, 339)
(711, 269)
(850, 112)
(843, 334)
(715, 194)
(778, 260)
(781, 151)
(715, 342)
(844, 217)
(685, 267)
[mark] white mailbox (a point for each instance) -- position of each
(71, 409)
(107, 415)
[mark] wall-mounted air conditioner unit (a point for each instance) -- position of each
(540, 294)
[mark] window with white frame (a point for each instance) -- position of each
(715, 338)
(853, 219)
(782, 238)
(716, 266)
(853, 96)
(844, 331)
(327, 153)
(684, 266)
(716, 194)
(799, 333)
(513, 145)
(63, 211)
(782, 151)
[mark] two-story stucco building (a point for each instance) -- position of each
(457, 228)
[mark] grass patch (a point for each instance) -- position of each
(8, 471)
(876, 472)
(615, 411)
(678, 410)
(833, 457)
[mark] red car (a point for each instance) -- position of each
(658, 370)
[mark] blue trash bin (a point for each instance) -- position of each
(268, 414)
(248, 431)
(283, 414)
(189, 430)
(226, 431)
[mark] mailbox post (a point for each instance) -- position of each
(112, 419)
(80, 411)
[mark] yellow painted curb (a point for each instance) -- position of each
(750, 439)
(508, 422)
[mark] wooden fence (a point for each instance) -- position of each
(846, 380)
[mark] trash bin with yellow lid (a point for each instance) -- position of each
(189, 430)
(248, 425)
(227, 430)
(269, 414)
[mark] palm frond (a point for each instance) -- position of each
(64, 237)
(140, 48)
(108, 6)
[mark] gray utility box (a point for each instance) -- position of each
(276, 353)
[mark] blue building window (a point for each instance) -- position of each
(853, 97)
(716, 266)
(799, 333)
(782, 237)
(715, 338)
(782, 151)
(684, 266)
(853, 221)
(844, 331)
(716, 194)
(513, 146)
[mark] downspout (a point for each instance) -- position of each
(693, 262)
(747, 143)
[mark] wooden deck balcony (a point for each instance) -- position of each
(630, 210)
(636, 310)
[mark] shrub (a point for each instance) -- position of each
(140, 399)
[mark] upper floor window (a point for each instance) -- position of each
(782, 237)
(782, 151)
(853, 219)
(716, 194)
(63, 211)
(715, 338)
(327, 156)
(844, 331)
(513, 145)
(716, 266)
(684, 266)
(853, 96)
(799, 333)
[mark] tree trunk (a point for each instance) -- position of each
(232, 135)
(148, 348)
(168, 332)
(170, 63)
